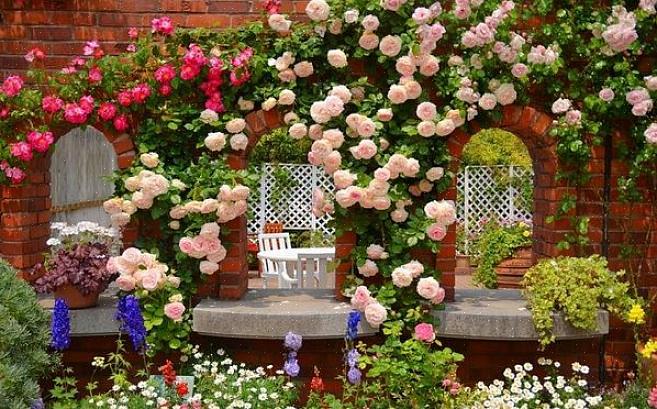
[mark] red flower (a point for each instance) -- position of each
(168, 372)
(316, 383)
(182, 389)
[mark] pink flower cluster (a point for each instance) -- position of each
(321, 204)
(51, 104)
(175, 309)
(651, 134)
(288, 72)
(35, 54)
(140, 270)
(652, 397)
(452, 386)
(404, 275)
(429, 289)
(620, 36)
(92, 48)
(443, 213)
(240, 74)
(78, 113)
(35, 141)
(14, 174)
(424, 332)
(229, 204)
(193, 60)
(119, 210)
(12, 85)
(539, 54)
(375, 313)
(164, 75)
(162, 25)
(640, 100)
(206, 245)
(484, 33)
(272, 6)
(146, 186)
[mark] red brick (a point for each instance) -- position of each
(125, 160)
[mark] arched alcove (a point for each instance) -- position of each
(80, 167)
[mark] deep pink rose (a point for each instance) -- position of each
(141, 92)
(75, 114)
(107, 111)
(87, 103)
(165, 73)
(15, 175)
(12, 85)
(21, 150)
(39, 141)
(121, 123)
(52, 104)
(424, 332)
(95, 74)
(124, 98)
(162, 25)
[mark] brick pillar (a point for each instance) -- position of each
(234, 271)
(344, 245)
(25, 218)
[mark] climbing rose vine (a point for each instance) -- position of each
(379, 86)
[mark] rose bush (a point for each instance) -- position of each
(378, 87)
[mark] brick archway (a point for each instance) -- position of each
(25, 209)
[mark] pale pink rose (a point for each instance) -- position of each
(335, 27)
(425, 186)
(383, 144)
(411, 168)
(239, 142)
(435, 173)
(415, 267)
(648, 5)
(334, 105)
(368, 41)
(413, 88)
(375, 314)
(621, 35)
(506, 94)
(186, 245)
(285, 97)
(445, 127)
(424, 332)
(318, 10)
(445, 212)
(142, 200)
(366, 128)
(397, 94)
(298, 131)
(225, 193)
(561, 105)
(382, 174)
(303, 69)
(426, 128)
(334, 136)
(376, 252)
(606, 94)
(290, 117)
(439, 297)
(368, 269)
(241, 206)
(488, 101)
(337, 58)
(384, 114)
(436, 231)
(401, 277)
(132, 256)
(392, 5)
(209, 206)
(132, 183)
(573, 117)
(455, 116)
(370, 22)
(390, 45)
(341, 92)
(421, 15)
(405, 66)
(120, 219)
(432, 209)
(174, 281)
(215, 141)
(637, 95)
(399, 215)
(150, 279)
(519, 70)
(237, 125)
(651, 82)
(366, 149)
(642, 108)
(361, 298)
(429, 66)
(150, 160)
(193, 206)
(469, 39)
(428, 288)
(315, 131)
(467, 94)
(218, 255)
(332, 162)
(321, 148)
(210, 230)
(320, 112)
(426, 111)
(343, 179)
(113, 205)
(351, 16)
(279, 23)
(125, 283)
(174, 310)
(381, 202)
(208, 267)
(353, 120)
(651, 134)
(349, 196)
(378, 187)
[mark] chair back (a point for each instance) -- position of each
(272, 241)
(311, 270)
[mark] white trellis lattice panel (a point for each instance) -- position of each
(290, 204)
(492, 193)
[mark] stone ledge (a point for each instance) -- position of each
(502, 315)
(92, 321)
(271, 313)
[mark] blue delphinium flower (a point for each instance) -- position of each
(352, 357)
(354, 375)
(60, 326)
(352, 325)
(37, 404)
(293, 341)
(128, 313)
(291, 367)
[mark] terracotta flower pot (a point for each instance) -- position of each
(511, 271)
(75, 299)
(273, 228)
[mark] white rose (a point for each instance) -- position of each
(208, 116)
(337, 58)
(215, 141)
(236, 125)
(239, 142)
(150, 160)
(286, 97)
(318, 10)
(269, 104)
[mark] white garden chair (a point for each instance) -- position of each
(272, 241)
(308, 271)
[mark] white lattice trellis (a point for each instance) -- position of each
(294, 207)
(492, 192)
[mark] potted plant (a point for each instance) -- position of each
(76, 266)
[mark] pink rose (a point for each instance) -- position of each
(428, 288)
(561, 105)
(162, 25)
(12, 85)
(382, 174)
(413, 88)
(405, 66)
(52, 104)
(488, 101)
(186, 245)
(642, 108)
(332, 162)
(40, 141)
(121, 123)
(506, 94)
(215, 141)
(208, 267)
(376, 252)
(21, 150)
(318, 10)
(368, 41)
(399, 215)
(361, 298)
(637, 95)
(435, 173)
(573, 117)
(651, 82)
(426, 128)
(424, 332)
(401, 277)
(366, 149)
(651, 134)
(366, 128)
(375, 314)
(337, 58)
(519, 70)
(411, 168)
(218, 255)
(426, 111)
(440, 296)
(390, 45)
(126, 283)
(370, 22)
(397, 94)
(334, 136)
(343, 179)
(239, 142)
(436, 232)
(606, 94)
(415, 267)
(303, 69)
(107, 111)
(445, 127)
(368, 269)
(151, 279)
(174, 310)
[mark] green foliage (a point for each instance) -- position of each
(310, 238)
(495, 244)
(577, 287)
(24, 339)
(400, 374)
(634, 396)
(491, 147)
(278, 147)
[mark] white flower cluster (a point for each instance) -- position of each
(522, 389)
(64, 234)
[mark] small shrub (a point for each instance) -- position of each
(24, 341)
